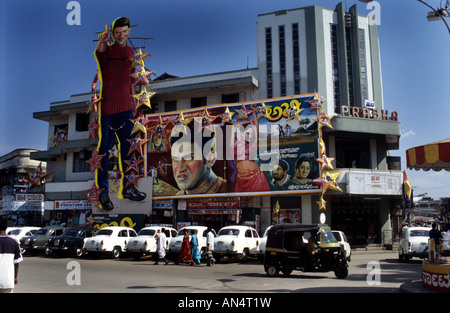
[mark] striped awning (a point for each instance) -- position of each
(434, 156)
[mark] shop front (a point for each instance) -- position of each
(213, 212)
(69, 213)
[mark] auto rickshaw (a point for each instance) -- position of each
(287, 250)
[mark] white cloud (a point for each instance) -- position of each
(408, 133)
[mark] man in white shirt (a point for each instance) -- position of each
(161, 246)
(10, 257)
(209, 247)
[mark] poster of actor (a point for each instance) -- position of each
(250, 154)
(116, 112)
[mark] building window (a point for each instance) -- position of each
(296, 60)
(348, 41)
(80, 164)
(198, 102)
(352, 152)
(82, 122)
(362, 59)
(282, 48)
(269, 62)
(335, 69)
(170, 106)
(230, 98)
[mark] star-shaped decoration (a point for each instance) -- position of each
(322, 148)
(315, 103)
(133, 164)
(93, 129)
(158, 129)
(293, 112)
(60, 136)
(38, 176)
(227, 117)
(136, 144)
(143, 98)
(328, 181)
(325, 162)
(243, 113)
(132, 179)
(140, 124)
(93, 104)
(94, 82)
(323, 120)
(93, 193)
(322, 204)
(142, 76)
(206, 119)
(96, 161)
(138, 59)
(262, 110)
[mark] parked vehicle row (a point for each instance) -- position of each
(235, 241)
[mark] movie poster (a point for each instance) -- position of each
(250, 148)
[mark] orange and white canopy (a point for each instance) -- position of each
(434, 156)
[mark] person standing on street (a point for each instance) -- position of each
(160, 246)
(436, 235)
(209, 247)
(195, 251)
(10, 257)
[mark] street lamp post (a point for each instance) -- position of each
(437, 14)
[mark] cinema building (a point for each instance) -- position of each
(300, 52)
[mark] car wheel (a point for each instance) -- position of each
(47, 251)
(116, 253)
(79, 252)
(272, 270)
(243, 256)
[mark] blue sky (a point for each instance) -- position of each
(44, 60)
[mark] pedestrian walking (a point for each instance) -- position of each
(436, 235)
(185, 253)
(196, 256)
(161, 246)
(210, 247)
(10, 257)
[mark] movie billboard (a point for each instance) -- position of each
(239, 149)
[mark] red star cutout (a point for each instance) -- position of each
(93, 193)
(133, 164)
(136, 144)
(93, 129)
(132, 179)
(243, 113)
(96, 161)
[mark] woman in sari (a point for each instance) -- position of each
(185, 253)
(196, 256)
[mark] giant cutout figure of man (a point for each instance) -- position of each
(117, 107)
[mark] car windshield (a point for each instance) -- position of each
(104, 232)
(188, 230)
(15, 232)
(41, 232)
(327, 236)
(419, 233)
(70, 232)
(147, 232)
(228, 232)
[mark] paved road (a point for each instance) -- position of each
(87, 275)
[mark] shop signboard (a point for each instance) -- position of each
(374, 183)
(242, 149)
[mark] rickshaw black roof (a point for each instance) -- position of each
(295, 227)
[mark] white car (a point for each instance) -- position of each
(200, 231)
(112, 239)
(145, 242)
(342, 239)
(414, 243)
(236, 241)
(262, 245)
(20, 232)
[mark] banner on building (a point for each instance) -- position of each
(250, 148)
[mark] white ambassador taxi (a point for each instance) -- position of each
(236, 241)
(145, 242)
(111, 239)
